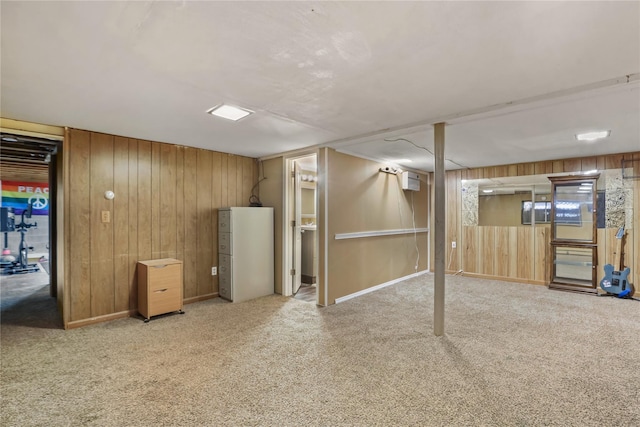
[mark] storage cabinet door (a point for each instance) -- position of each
(224, 221)
(164, 276)
(225, 243)
(164, 300)
(225, 281)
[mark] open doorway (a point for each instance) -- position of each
(28, 232)
(301, 236)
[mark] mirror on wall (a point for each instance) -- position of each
(308, 203)
(553, 218)
(523, 200)
(509, 202)
(308, 198)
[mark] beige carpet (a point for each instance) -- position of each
(513, 355)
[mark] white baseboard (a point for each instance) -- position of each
(380, 286)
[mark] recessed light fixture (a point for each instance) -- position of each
(400, 161)
(487, 191)
(592, 136)
(229, 112)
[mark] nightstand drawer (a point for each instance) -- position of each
(165, 276)
(164, 300)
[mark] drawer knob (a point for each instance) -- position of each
(161, 290)
(160, 266)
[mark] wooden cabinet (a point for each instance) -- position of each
(574, 237)
(159, 287)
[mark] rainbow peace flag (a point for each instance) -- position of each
(17, 195)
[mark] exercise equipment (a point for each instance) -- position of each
(21, 265)
(7, 224)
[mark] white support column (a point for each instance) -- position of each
(439, 232)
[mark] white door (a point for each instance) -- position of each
(297, 231)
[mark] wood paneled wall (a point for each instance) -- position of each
(517, 253)
(165, 206)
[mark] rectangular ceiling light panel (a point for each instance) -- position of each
(592, 136)
(229, 112)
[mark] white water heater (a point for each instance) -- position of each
(410, 181)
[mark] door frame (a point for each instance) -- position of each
(56, 183)
(297, 229)
(287, 217)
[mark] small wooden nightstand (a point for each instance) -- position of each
(159, 287)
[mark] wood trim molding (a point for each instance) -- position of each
(31, 129)
(574, 288)
(574, 165)
(128, 313)
(504, 279)
(380, 286)
(200, 298)
(376, 233)
(570, 178)
(100, 319)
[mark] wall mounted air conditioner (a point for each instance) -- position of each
(410, 181)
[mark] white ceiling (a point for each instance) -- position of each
(514, 80)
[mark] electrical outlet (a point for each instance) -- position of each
(453, 245)
(214, 271)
